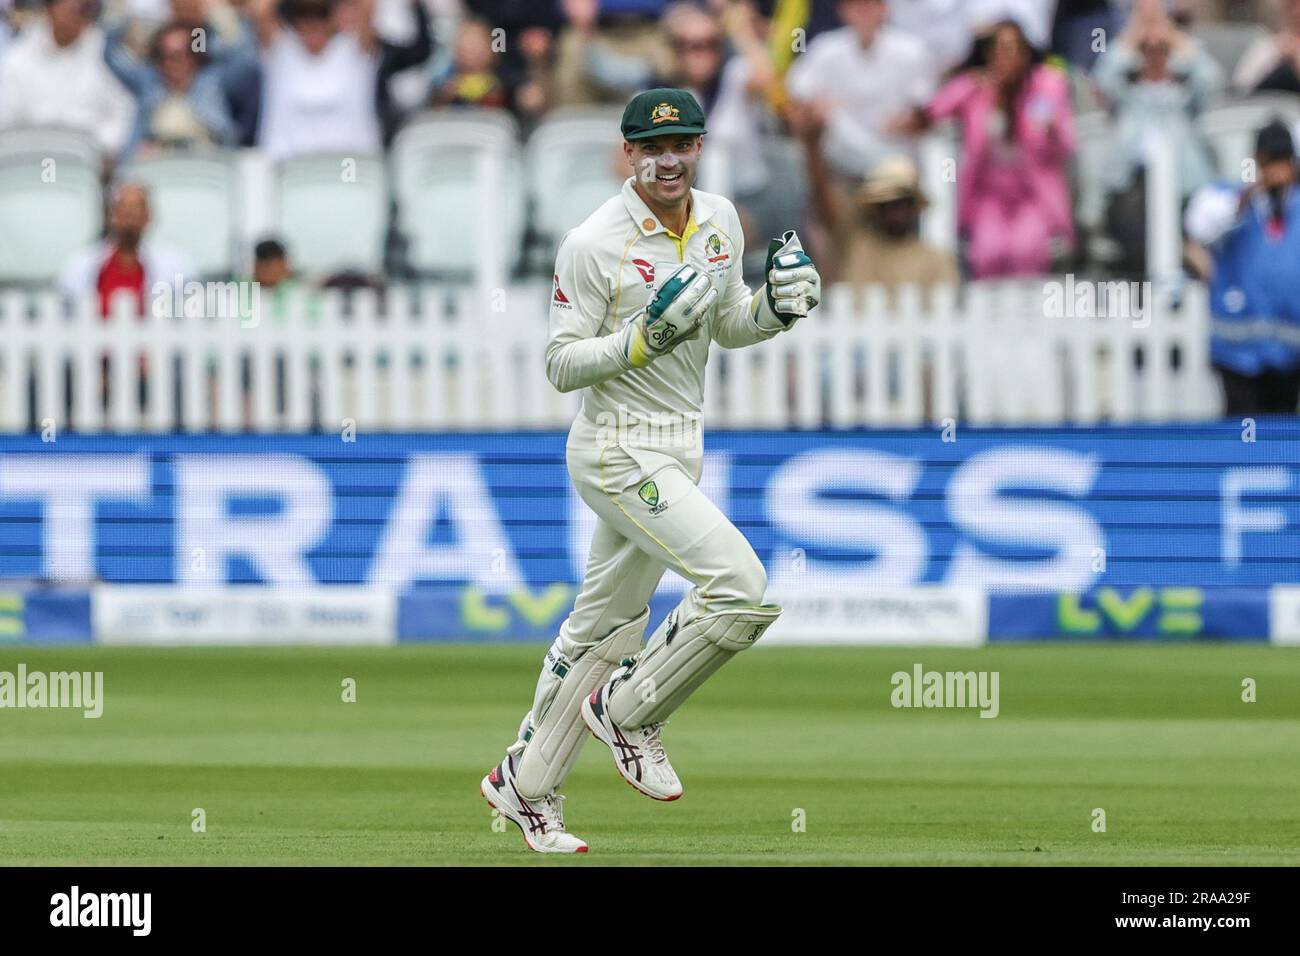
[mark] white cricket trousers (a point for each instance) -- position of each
(652, 518)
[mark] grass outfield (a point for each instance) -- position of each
(287, 773)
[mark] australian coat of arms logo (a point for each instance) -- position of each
(664, 113)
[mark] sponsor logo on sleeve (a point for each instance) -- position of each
(557, 294)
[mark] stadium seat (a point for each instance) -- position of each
(47, 213)
(1226, 42)
(332, 212)
(572, 168)
(458, 183)
(1231, 127)
(50, 142)
(192, 199)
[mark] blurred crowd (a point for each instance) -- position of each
(854, 81)
(850, 84)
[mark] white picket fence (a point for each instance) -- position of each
(433, 359)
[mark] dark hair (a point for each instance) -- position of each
(1008, 98)
(982, 45)
(305, 9)
(269, 249)
(1274, 142)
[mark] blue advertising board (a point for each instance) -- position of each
(1005, 510)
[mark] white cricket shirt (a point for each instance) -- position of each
(605, 274)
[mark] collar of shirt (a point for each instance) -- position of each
(701, 212)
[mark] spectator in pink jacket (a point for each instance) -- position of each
(1014, 207)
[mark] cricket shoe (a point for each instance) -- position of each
(638, 754)
(540, 821)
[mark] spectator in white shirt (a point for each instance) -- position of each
(53, 74)
(320, 62)
(125, 262)
(127, 268)
(849, 85)
(853, 81)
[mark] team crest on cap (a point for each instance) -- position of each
(665, 113)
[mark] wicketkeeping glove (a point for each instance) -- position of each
(793, 286)
(673, 316)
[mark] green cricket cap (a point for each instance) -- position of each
(660, 111)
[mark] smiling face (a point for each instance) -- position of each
(664, 166)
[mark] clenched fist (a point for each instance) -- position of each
(793, 286)
(673, 316)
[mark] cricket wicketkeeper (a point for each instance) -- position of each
(641, 289)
